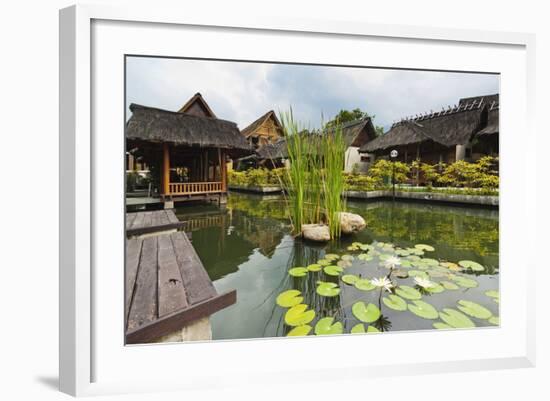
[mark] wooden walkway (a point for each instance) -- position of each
(149, 222)
(167, 287)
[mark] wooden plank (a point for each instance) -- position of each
(133, 254)
(164, 218)
(172, 218)
(156, 218)
(176, 320)
(198, 285)
(130, 217)
(170, 285)
(138, 221)
(144, 303)
(147, 219)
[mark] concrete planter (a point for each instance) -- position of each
(482, 200)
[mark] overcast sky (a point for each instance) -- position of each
(241, 92)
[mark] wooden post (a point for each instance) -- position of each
(219, 175)
(224, 172)
(166, 169)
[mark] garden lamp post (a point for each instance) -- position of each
(393, 155)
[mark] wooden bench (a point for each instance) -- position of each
(167, 287)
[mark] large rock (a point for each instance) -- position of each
(316, 232)
(351, 223)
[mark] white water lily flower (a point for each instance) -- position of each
(382, 282)
(391, 262)
(423, 282)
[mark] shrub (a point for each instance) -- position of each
(383, 170)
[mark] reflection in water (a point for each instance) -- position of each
(248, 247)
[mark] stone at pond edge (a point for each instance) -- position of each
(316, 232)
(351, 223)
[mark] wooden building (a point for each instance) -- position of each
(186, 151)
(466, 131)
(265, 130)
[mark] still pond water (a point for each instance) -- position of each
(248, 247)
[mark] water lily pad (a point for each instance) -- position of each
(492, 294)
(424, 247)
(366, 313)
(333, 270)
(365, 257)
(332, 256)
(456, 319)
(385, 256)
(344, 263)
(465, 281)
(298, 315)
(395, 302)
(430, 262)
(473, 309)
(469, 264)
(401, 273)
(448, 285)
(349, 258)
(372, 329)
(436, 274)
(350, 278)
(358, 329)
(441, 326)
(494, 320)
(298, 271)
(418, 273)
(423, 310)
(290, 298)
(451, 266)
(407, 292)
(300, 331)
(327, 289)
(324, 262)
(314, 267)
(413, 258)
(364, 284)
(415, 251)
(406, 263)
(435, 288)
(402, 252)
(326, 326)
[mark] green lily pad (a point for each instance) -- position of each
(407, 292)
(290, 298)
(298, 271)
(364, 257)
(364, 284)
(314, 267)
(423, 310)
(406, 263)
(333, 270)
(418, 273)
(492, 294)
(456, 319)
(451, 266)
(448, 285)
(441, 326)
(385, 256)
(401, 273)
(372, 329)
(473, 309)
(469, 264)
(402, 252)
(424, 247)
(325, 326)
(465, 281)
(413, 258)
(350, 279)
(437, 274)
(331, 256)
(430, 262)
(366, 313)
(344, 263)
(298, 315)
(300, 331)
(349, 258)
(435, 288)
(327, 289)
(395, 302)
(358, 329)
(494, 320)
(324, 262)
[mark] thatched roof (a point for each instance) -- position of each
(154, 125)
(258, 123)
(276, 150)
(492, 120)
(448, 127)
(358, 132)
(197, 106)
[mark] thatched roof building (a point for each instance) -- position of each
(437, 132)
(264, 130)
(149, 124)
(358, 132)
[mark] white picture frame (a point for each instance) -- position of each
(91, 362)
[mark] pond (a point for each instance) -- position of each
(417, 247)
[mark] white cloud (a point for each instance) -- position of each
(241, 92)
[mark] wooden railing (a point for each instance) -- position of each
(190, 188)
